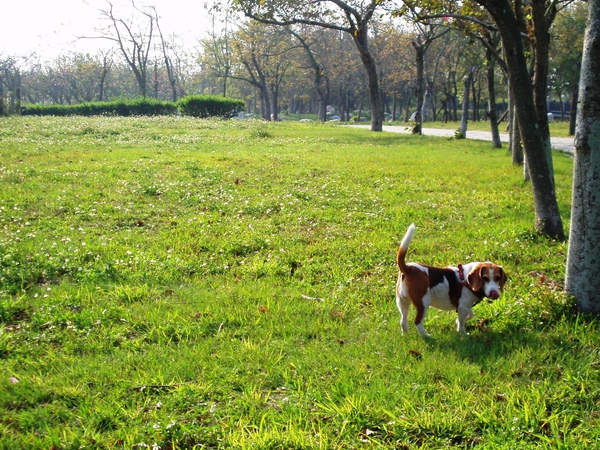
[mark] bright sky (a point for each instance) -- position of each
(50, 27)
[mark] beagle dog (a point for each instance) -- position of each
(444, 288)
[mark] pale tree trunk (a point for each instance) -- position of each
(583, 261)
(492, 114)
(428, 111)
(465, 107)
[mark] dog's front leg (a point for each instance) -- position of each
(464, 314)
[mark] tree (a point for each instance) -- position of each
(217, 52)
(490, 39)
(543, 13)
(425, 34)
(468, 80)
(347, 72)
(260, 56)
(11, 77)
(351, 16)
(133, 39)
(568, 32)
(320, 77)
(397, 64)
(547, 214)
(548, 220)
(583, 262)
(169, 54)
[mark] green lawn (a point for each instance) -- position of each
(178, 283)
(557, 128)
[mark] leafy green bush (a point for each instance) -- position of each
(210, 106)
(194, 105)
(137, 107)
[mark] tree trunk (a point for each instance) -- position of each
(583, 261)
(407, 113)
(427, 113)
(465, 107)
(18, 101)
(419, 88)
(475, 100)
(541, 31)
(492, 114)
(265, 100)
(573, 109)
(516, 149)
(547, 214)
(360, 40)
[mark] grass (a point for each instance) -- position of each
(176, 283)
(558, 128)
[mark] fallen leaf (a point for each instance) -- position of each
(415, 354)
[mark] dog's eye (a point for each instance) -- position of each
(486, 279)
(497, 278)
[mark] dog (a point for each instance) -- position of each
(444, 288)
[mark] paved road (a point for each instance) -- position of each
(558, 143)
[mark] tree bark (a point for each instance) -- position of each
(428, 112)
(419, 88)
(360, 40)
(492, 114)
(542, 17)
(583, 261)
(547, 214)
(573, 110)
(465, 108)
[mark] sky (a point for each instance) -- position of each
(51, 27)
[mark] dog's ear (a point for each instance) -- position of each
(474, 278)
(503, 276)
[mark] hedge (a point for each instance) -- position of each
(210, 106)
(197, 106)
(139, 107)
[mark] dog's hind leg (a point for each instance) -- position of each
(420, 319)
(403, 304)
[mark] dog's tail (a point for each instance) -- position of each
(404, 248)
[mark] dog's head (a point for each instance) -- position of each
(488, 278)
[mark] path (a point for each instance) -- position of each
(558, 143)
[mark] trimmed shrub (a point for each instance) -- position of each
(138, 107)
(193, 105)
(210, 106)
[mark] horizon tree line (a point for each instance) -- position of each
(298, 69)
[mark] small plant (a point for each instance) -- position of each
(459, 135)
